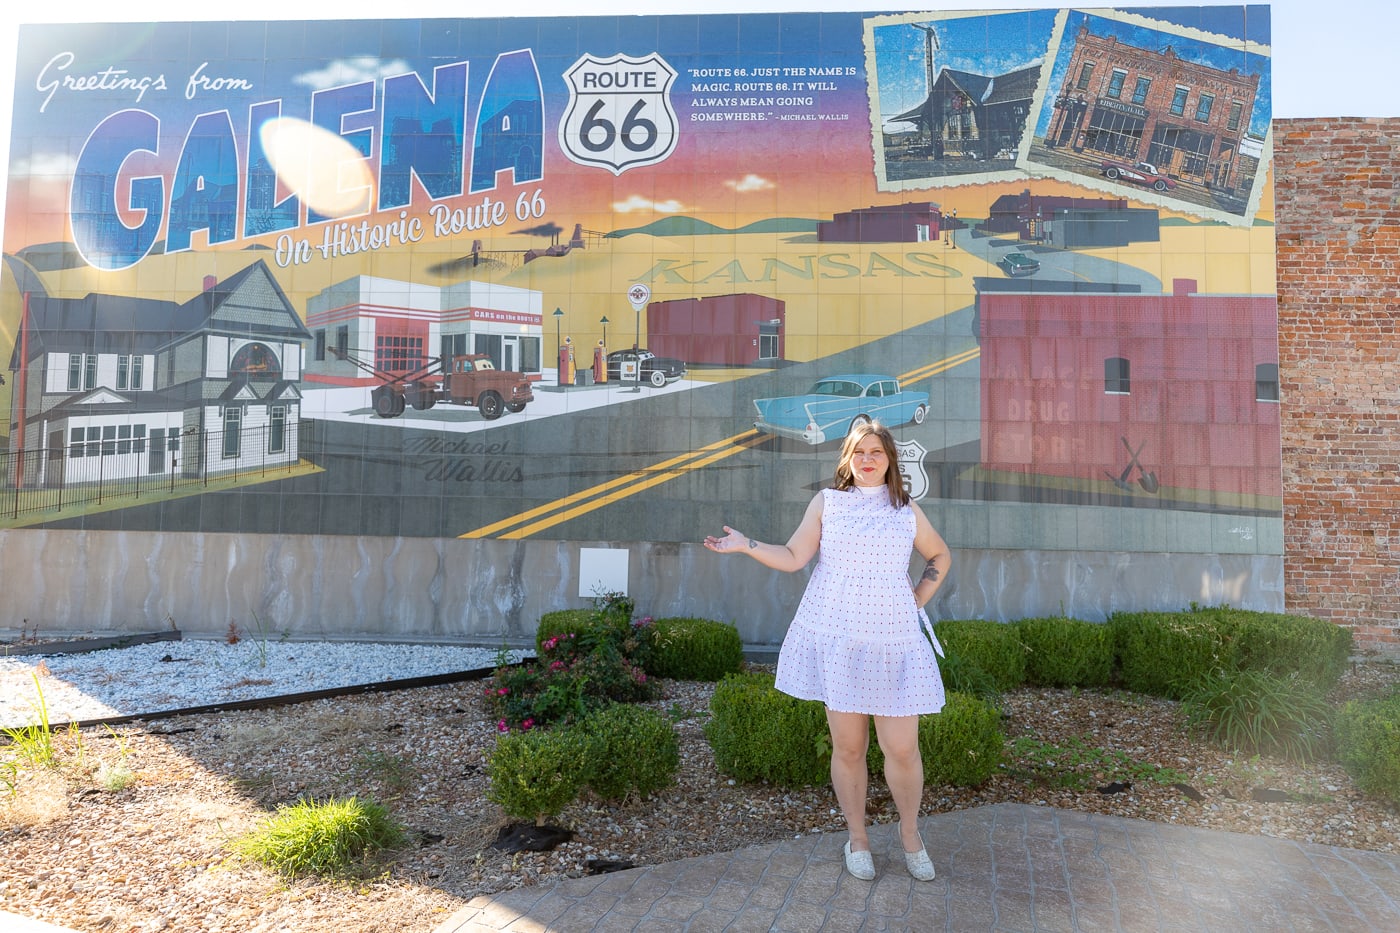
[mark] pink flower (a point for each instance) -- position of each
(527, 725)
(549, 643)
(557, 666)
(502, 727)
(502, 691)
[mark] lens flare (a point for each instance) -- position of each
(322, 169)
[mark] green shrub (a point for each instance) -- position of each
(1314, 649)
(1063, 652)
(961, 745)
(962, 674)
(327, 838)
(758, 733)
(629, 749)
(1368, 745)
(695, 649)
(1164, 653)
(992, 646)
(575, 672)
(536, 774)
(1261, 713)
(563, 622)
(609, 621)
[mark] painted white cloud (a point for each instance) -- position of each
(352, 70)
(638, 203)
(750, 182)
(46, 164)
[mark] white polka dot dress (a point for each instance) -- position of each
(857, 642)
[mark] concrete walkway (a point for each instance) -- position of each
(1008, 867)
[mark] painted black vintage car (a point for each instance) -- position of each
(645, 365)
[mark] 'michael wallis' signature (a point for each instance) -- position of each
(58, 75)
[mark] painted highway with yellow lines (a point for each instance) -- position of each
(616, 490)
(544, 517)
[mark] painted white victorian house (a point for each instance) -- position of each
(109, 386)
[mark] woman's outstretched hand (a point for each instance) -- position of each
(732, 541)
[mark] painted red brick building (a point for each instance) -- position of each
(911, 222)
(1172, 395)
(1130, 103)
(720, 330)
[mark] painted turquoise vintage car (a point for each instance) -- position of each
(836, 404)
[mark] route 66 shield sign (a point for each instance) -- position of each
(619, 114)
(911, 467)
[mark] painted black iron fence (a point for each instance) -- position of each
(108, 466)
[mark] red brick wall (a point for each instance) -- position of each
(1338, 226)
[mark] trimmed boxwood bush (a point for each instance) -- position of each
(992, 646)
(1164, 653)
(1063, 652)
(564, 622)
(628, 749)
(1314, 649)
(534, 775)
(1368, 745)
(694, 649)
(961, 745)
(758, 733)
(960, 673)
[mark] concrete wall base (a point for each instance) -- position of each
(493, 591)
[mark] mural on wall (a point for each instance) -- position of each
(619, 278)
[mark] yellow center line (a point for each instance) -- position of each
(601, 488)
(615, 490)
(941, 366)
(643, 482)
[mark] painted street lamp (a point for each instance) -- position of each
(559, 348)
(604, 321)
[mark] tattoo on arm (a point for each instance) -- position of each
(752, 544)
(930, 573)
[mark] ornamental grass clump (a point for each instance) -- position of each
(333, 838)
(1259, 713)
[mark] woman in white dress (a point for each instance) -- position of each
(860, 641)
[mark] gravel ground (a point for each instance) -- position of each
(172, 675)
(154, 856)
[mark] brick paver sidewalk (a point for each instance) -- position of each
(1008, 867)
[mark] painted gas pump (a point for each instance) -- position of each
(600, 363)
(566, 362)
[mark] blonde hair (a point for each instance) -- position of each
(894, 480)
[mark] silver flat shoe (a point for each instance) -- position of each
(920, 865)
(861, 864)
